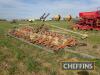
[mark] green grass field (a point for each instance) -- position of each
(20, 58)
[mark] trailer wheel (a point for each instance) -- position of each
(91, 29)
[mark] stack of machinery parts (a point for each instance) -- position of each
(43, 37)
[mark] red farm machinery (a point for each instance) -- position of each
(88, 21)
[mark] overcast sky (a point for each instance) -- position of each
(35, 8)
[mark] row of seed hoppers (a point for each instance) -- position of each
(43, 37)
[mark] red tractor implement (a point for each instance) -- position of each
(88, 21)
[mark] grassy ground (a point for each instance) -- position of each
(19, 58)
